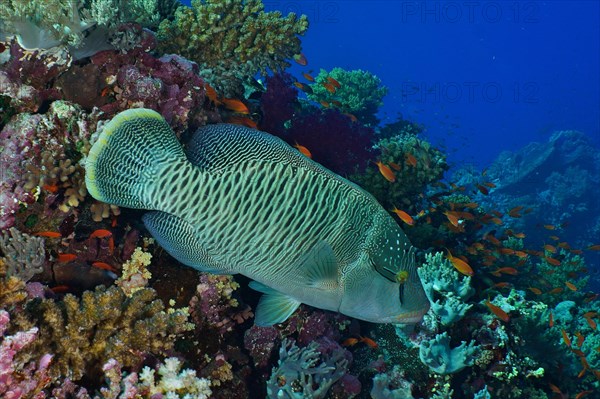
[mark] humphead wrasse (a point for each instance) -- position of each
(238, 200)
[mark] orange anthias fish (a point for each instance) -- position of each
(242, 120)
(552, 261)
(460, 265)
(334, 82)
(301, 59)
(104, 266)
(235, 105)
(308, 77)
(305, 151)
(405, 217)
(452, 218)
(386, 171)
(66, 257)
(330, 88)
(411, 160)
(565, 338)
(570, 286)
(505, 270)
(305, 88)
(498, 312)
(595, 247)
(48, 234)
(211, 93)
(101, 233)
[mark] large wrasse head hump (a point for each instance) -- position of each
(238, 200)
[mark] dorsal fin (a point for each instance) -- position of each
(214, 147)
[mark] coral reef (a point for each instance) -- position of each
(437, 354)
(232, 40)
(214, 307)
(446, 290)
(360, 93)
(85, 333)
(24, 255)
(17, 379)
(42, 25)
(305, 372)
(417, 165)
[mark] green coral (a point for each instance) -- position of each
(232, 40)
(360, 93)
(411, 181)
(85, 333)
(45, 24)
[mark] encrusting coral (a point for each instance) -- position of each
(232, 40)
(85, 333)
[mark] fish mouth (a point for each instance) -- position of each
(411, 317)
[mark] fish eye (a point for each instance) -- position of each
(401, 276)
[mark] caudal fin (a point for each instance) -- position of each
(133, 147)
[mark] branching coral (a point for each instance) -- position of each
(232, 40)
(360, 93)
(85, 333)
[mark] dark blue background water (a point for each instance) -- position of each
(482, 76)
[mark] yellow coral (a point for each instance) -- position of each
(135, 274)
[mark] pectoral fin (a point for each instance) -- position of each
(319, 266)
(273, 307)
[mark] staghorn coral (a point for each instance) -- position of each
(360, 93)
(24, 255)
(232, 40)
(85, 333)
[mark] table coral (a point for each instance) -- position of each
(105, 323)
(232, 40)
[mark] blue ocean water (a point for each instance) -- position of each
(482, 76)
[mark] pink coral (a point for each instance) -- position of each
(17, 380)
